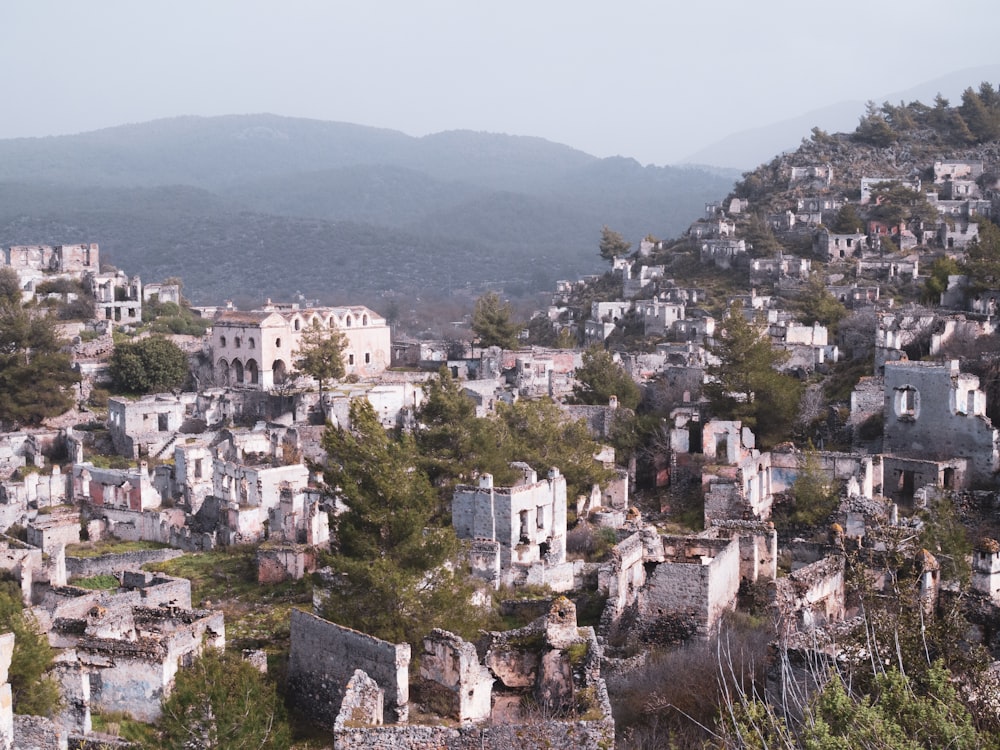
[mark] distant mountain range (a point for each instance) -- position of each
(256, 206)
(747, 149)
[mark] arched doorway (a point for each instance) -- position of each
(222, 372)
(252, 372)
(280, 372)
(237, 372)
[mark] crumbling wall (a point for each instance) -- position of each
(158, 590)
(114, 562)
(758, 542)
(623, 577)
(812, 595)
(451, 667)
(699, 580)
(282, 562)
(935, 412)
(553, 734)
(323, 658)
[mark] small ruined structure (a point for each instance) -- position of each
(129, 643)
(812, 596)
(147, 426)
(537, 686)
(117, 297)
(986, 569)
(694, 585)
(58, 259)
(118, 489)
(450, 668)
(519, 532)
(735, 476)
(832, 247)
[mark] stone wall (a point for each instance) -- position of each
(623, 577)
(935, 412)
(325, 655)
(551, 734)
(812, 596)
(758, 546)
(699, 580)
(113, 563)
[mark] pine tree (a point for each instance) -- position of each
(321, 354)
(745, 384)
(36, 376)
(33, 690)
(493, 323)
(224, 703)
(600, 377)
(612, 244)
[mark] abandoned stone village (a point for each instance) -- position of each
(231, 462)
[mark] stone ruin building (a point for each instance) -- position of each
(537, 686)
(518, 533)
(936, 430)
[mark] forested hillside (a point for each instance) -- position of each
(258, 206)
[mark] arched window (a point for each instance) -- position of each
(298, 324)
(250, 343)
(347, 321)
(238, 342)
(277, 343)
(364, 319)
(222, 340)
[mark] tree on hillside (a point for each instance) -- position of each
(321, 354)
(493, 323)
(225, 703)
(847, 220)
(10, 287)
(983, 265)
(540, 434)
(600, 377)
(151, 365)
(612, 244)
(745, 384)
(453, 442)
(760, 239)
(390, 550)
(36, 376)
(981, 112)
(895, 203)
(937, 278)
(32, 689)
(873, 127)
(815, 304)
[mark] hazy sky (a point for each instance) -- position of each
(655, 80)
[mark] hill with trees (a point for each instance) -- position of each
(258, 205)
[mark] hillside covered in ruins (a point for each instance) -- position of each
(739, 489)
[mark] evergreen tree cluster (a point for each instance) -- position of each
(976, 120)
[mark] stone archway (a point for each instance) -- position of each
(237, 372)
(280, 371)
(222, 373)
(252, 372)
